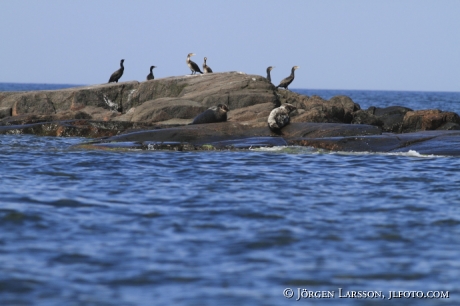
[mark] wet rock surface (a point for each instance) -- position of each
(428, 142)
(156, 115)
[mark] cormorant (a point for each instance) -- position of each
(206, 68)
(286, 81)
(213, 114)
(150, 76)
(192, 65)
(268, 73)
(117, 74)
(279, 117)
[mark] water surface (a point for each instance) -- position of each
(230, 227)
(95, 227)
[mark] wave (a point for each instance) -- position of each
(312, 150)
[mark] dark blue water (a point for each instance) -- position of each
(84, 227)
(33, 86)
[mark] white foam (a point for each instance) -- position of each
(312, 150)
(287, 149)
(413, 153)
(410, 153)
(269, 149)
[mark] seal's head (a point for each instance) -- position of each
(223, 107)
(289, 107)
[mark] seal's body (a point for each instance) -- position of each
(213, 114)
(279, 117)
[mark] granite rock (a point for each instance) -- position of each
(159, 110)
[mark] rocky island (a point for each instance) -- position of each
(156, 114)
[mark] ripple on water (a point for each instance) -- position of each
(233, 227)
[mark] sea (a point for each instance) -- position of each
(267, 226)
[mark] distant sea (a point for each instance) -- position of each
(85, 227)
(33, 86)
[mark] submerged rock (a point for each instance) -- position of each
(427, 142)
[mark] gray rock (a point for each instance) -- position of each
(424, 120)
(163, 109)
(36, 103)
(253, 113)
(425, 142)
(365, 117)
(392, 117)
(206, 133)
(235, 89)
(159, 110)
(338, 109)
(5, 112)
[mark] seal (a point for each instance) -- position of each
(279, 117)
(213, 114)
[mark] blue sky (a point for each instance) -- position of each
(338, 44)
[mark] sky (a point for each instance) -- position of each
(338, 44)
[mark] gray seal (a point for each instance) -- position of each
(213, 114)
(279, 117)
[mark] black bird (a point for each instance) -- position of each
(286, 81)
(268, 73)
(150, 75)
(206, 68)
(117, 74)
(192, 65)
